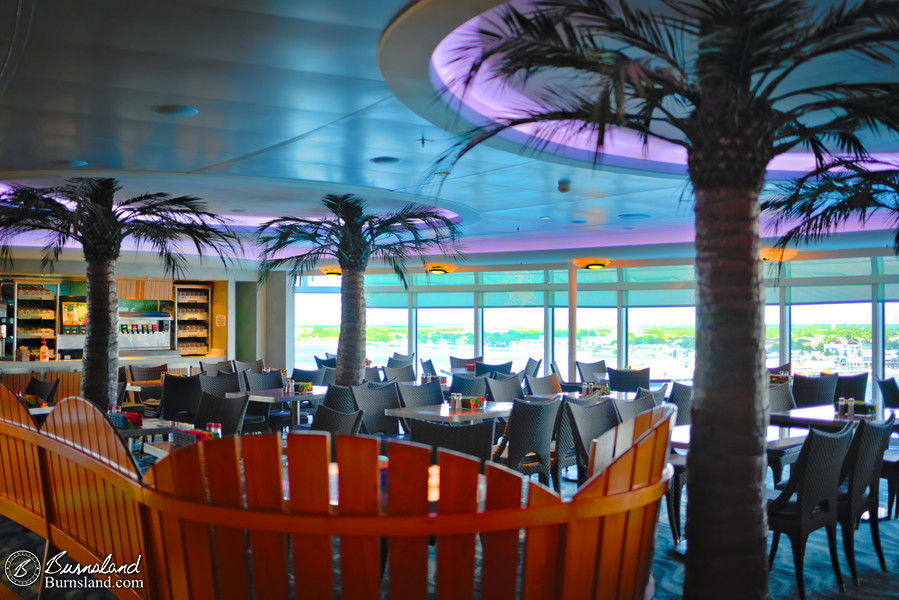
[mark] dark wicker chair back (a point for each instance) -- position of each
(181, 398)
(780, 398)
(563, 453)
(336, 423)
(587, 370)
(861, 472)
(426, 394)
(628, 380)
(682, 397)
(263, 381)
(330, 355)
(396, 363)
(315, 377)
(373, 401)
(814, 479)
(329, 375)
(325, 362)
(404, 373)
(504, 390)
(629, 409)
(45, 390)
(225, 366)
(889, 391)
(532, 367)
(229, 412)
(543, 385)
(485, 369)
(256, 366)
(473, 439)
(531, 426)
(588, 423)
(339, 398)
(399, 356)
(469, 385)
(658, 396)
(460, 363)
(372, 374)
(427, 367)
(851, 386)
(814, 391)
(220, 384)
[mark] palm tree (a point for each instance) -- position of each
(719, 78)
(813, 206)
(353, 237)
(85, 211)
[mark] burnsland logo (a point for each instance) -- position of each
(23, 568)
(107, 567)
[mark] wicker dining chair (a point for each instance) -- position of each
(530, 434)
(339, 398)
(373, 401)
(45, 390)
(336, 423)
(325, 362)
(474, 439)
(229, 412)
(658, 395)
(181, 397)
(588, 423)
(809, 500)
(427, 367)
(396, 363)
(532, 367)
(889, 391)
(469, 385)
(861, 474)
(225, 366)
(629, 409)
(628, 380)
(851, 386)
(403, 373)
(504, 390)
(487, 369)
(780, 399)
(315, 377)
(567, 386)
(255, 366)
(587, 370)
(814, 391)
(682, 397)
(543, 385)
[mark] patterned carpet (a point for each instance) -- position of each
(668, 568)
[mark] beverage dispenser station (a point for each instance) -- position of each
(140, 333)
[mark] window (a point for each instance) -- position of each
(891, 339)
(830, 338)
(772, 336)
(663, 338)
(597, 337)
(443, 332)
(386, 332)
(317, 326)
(513, 334)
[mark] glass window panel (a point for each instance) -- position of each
(828, 293)
(383, 280)
(663, 339)
(606, 298)
(597, 276)
(891, 339)
(659, 274)
(889, 265)
(317, 327)
(667, 297)
(772, 336)
(513, 334)
(507, 277)
(321, 281)
(446, 299)
(833, 338)
(386, 332)
(558, 276)
(523, 298)
(560, 340)
(423, 279)
(837, 267)
(445, 332)
(597, 337)
(386, 300)
(891, 291)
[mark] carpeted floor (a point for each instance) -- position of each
(668, 567)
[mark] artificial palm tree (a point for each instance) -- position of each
(721, 79)
(85, 211)
(353, 238)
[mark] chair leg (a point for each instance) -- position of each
(875, 537)
(834, 560)
(799, 562)
(777, 470)
(892, 484)
(774, 542)
(848, 529)
(669, 504)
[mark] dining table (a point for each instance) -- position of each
(823, 417)
(292, 399)
(443, 413)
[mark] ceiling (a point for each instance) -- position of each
(293, 102)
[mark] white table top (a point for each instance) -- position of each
(442, 413)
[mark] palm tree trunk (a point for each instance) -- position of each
(726, 518)
(351, 344)
(99, 374)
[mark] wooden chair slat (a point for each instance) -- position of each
(455, 553)
(540, 555)
(407, 494)
(262, 469)
(308, 458)
(359, 494)
(224, 481)
(170, 531)
(189, 481)
(17, 381)
(499, 570)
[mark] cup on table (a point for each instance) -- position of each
(469, 367)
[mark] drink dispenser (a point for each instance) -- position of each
(145, 331)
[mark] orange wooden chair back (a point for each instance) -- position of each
(69, 383)
(218, 502)
(21, 495)
(17, 381)
(94, 509)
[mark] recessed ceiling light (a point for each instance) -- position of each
(442, 174)
(579, 221)
(385, 160)
(238, 210)
(175, 110)
(545, 218)
(634, 216)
